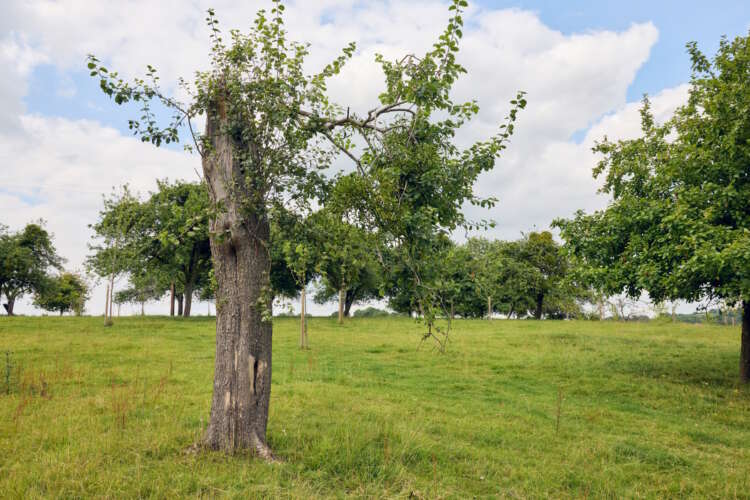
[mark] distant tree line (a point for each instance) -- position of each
(161, 245)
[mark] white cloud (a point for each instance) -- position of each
(573, 82)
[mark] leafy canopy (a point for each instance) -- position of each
(678, 225)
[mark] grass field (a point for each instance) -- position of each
(513, 409)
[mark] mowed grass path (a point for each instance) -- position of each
(645, 410)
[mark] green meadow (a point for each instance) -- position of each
(518, 409)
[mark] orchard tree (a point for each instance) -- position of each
(175, 240)
(678, 225)
(300, 250)
(486, 263)
(545, 257)
(265, 120)
(112, 255)
(142, 288)
(26, 257)
(346, 263)
(63, 293)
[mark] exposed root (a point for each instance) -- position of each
(258, 448)
(264, 451)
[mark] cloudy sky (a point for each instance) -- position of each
(584, 64)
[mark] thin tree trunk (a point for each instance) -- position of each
(303, 319)
(179, 304)
(242, 265)
(111, 293)
(489, 307)
(171, 299)
(745, 343)
(106, 304)
(453, 311)
(143, 312)
(342, 299)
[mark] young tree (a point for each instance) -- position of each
(260, 149)
(26, 257)
(678, 225)
(486, 271)
(112, 256)
(62, 293)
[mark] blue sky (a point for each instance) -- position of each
(677, 21)
(55, 165)
(668, 65)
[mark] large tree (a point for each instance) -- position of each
(678, 225)
(260, 149)
(26, 257)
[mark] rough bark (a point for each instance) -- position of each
(239, 248)
(342, 298)
(745, 343)
(171, 299)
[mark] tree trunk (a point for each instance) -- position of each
(348, 302)
(143, 312)
(190, 278)
(171, 299)
(489, 307)
(745, 343)
(179, 304)
(539, 303)
(242, 265)
(188, 300)
(106, 304)
(111, 294)
(342, 299)
(9, 306)
(303, 319)
(453, 311)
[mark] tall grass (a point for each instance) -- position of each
(513, 409)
